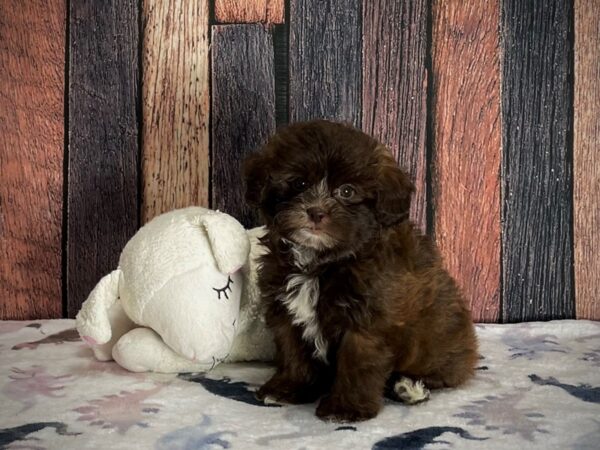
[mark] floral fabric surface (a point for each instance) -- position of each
(537, 386)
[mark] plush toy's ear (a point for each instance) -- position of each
(228, 240)
(394, 190)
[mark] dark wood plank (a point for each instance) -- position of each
(466, 154)
(394, 92)
(537, 243)
(282, 73)
(325, 60)
(175, 92)
(104, 110)
(243, 108)
(32, 58)
(586, 179)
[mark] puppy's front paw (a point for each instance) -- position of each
(269, 400)
(334, 409)
(282, 391)
(269, 396)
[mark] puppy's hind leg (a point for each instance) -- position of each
(407, 390)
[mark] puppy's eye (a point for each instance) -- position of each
(346, 191)
(299, 184)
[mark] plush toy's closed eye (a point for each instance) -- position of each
(225, 289)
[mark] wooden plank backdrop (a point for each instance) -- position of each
(232, 11)
(325, 60)
(466, 148)
(394, 91)
(243, 100)
(537, 234)
(492, 106)
(104, 116)
(32, 65)
(281, 72)
(175, 96)
(586, 158)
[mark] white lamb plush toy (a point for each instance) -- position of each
(183, 298)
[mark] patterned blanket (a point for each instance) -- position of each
(537, 386)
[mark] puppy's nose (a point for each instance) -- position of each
(316, 214)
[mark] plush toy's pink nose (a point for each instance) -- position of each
(89, 340)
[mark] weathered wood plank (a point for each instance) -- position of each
(249, 11)
(586, 176)
(394, 93)
(325, 60)
(282, 73)
(466, 154)
(537, 244)
(32, 58)
(243, 108)
(175, 92)
(104, 109)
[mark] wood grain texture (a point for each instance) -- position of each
(537, 244)
(175, 92)
(394, 93)
(243, 108)
(104, 109)
(325, 60)
(586, 161)
(466, 153)
(282, 73)
(249, 11)
(32, 58)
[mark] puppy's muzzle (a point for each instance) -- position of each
(317, 215)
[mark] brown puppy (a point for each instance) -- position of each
(357, 299)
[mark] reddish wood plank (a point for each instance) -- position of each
(243, 108)
(32, 59)
(395, 86)
(175, 91)
(586, 180)
(466, 135)
(248, 11)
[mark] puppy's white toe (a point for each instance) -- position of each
(411, 392)
(268, 400)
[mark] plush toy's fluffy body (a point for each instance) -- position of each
(183, 299)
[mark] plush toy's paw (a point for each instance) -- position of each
(335, 409)
(103, 352)
(142, 350)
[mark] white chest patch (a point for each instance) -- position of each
(300, 298)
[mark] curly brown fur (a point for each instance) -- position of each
(354, 294)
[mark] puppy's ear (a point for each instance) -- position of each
(394, 190)
(255, 175)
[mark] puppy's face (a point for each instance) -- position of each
(326, 186)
